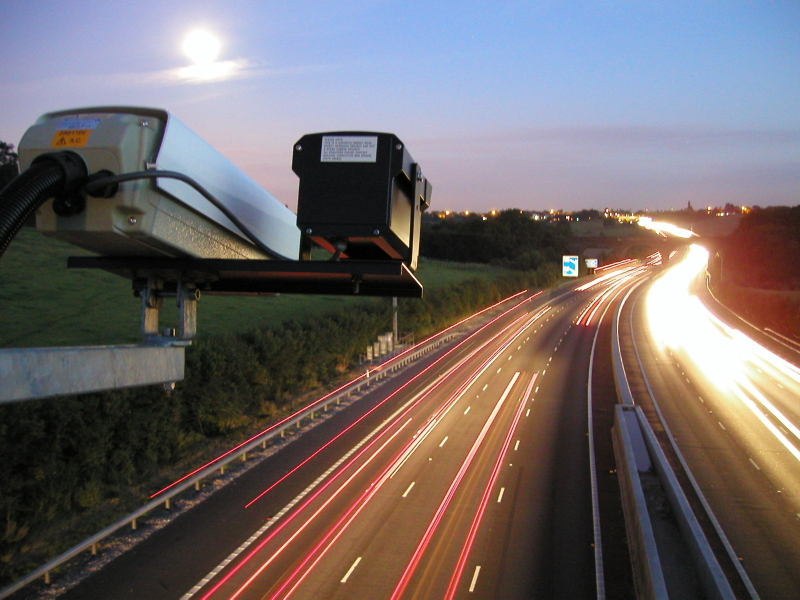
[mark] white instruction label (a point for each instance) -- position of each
(349, 148)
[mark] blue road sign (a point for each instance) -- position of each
(569, 266)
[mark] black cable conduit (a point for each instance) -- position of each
(49, 175)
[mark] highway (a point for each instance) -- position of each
(486, 469)
(466, 475)
(732, 409)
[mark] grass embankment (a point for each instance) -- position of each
(598, 227)
(45, 304)
(769, 309)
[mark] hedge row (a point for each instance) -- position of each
(89, 458)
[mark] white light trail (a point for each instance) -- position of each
(727, 358)
(665, 228)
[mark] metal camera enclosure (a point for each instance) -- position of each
(361, 194)
(163, 217)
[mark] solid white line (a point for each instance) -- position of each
(352, 568)
(409, 489)
(500, 497)
(474, 578)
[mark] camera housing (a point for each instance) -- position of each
(161, 217)
(361, 195)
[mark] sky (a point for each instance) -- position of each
(531, 105)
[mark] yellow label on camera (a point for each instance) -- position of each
(70, 138)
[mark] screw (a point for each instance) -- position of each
(308, 231)
(399, 147)
(298, 147)
(132, 220)
(377, 232)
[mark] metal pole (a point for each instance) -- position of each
(394, 321)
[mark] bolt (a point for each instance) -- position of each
(132, 221)
(308, 231)
(377, 232)
(399, 147)
(298, 147)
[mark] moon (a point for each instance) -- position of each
(202, 47)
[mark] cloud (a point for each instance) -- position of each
(207, 72)
(212, 72)
(622, 138)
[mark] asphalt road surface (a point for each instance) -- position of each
(466, 475)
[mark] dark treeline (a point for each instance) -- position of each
(72, 465)
(760, 269)
(764, 251)
(510, 239)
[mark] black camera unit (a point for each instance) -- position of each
(361, 196)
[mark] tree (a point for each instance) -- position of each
(9, 167)
(509, 239)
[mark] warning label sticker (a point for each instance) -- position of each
(349, 148)
(70, 138)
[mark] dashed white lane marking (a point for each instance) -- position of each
(474, 578)
(444, 441)
(754, 464)
(350, 571)
(408, 489)
(500, 497)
